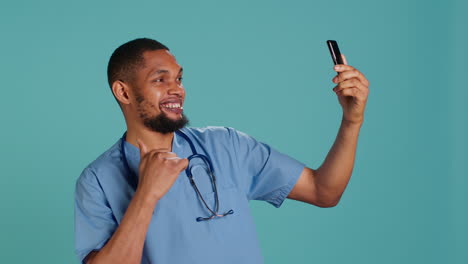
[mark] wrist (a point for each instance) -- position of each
(352, 123)
(146, 197)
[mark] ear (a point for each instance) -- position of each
(121, 91)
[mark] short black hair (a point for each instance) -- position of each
(127, 58)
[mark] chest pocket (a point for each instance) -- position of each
(239, 224)
(235, 233)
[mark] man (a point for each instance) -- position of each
(143, 201)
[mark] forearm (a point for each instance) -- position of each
(334, 174)
(126, 244)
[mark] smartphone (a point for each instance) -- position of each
(335, 52)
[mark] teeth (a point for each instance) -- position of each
(173, 105)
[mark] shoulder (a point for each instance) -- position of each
(214, 132)
(219, 138)
(105, 164)
(209, 133)
(208, 130)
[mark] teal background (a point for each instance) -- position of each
(263, 68)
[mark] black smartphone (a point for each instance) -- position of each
(335, 52)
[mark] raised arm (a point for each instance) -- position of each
(324, 186)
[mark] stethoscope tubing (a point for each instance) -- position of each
(188, 171)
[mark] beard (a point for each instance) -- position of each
(163, 124)
(160, 123)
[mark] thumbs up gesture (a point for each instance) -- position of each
(158, 170)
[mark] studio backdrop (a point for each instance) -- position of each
(263, 68)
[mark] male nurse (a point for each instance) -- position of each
(167, 193)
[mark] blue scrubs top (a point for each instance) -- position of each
(245, 170)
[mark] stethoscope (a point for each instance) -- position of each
(208, 168)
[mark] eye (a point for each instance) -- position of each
(180, 79)
(158, 80)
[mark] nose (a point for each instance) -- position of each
(176, 88)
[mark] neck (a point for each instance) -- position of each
(153, 140)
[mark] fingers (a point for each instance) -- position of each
(346, 72)
(172, 158)
(147, 155)
(343, 67)
(354, 92)
(183, 163)
(351, 83)
(179, 164)
(157, 159)
(157, 154)
(346, 75)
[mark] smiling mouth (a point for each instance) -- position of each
(175, 108)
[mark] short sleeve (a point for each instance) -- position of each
(267, 174)
(94, 221)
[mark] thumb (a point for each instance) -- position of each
(344, 59)
(143, 148)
